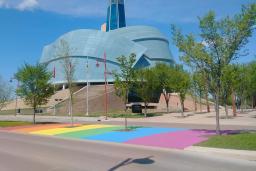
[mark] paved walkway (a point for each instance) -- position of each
(238, 154)
(243, 119)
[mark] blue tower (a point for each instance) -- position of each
(116, 15)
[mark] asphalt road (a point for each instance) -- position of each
(20, 152)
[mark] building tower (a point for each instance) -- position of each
(116, 15)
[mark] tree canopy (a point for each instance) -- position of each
(34, 86)
(221, 43)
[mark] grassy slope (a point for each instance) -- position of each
(243, 141)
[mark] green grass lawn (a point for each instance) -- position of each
(243, 141)
(13, 123)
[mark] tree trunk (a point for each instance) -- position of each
(145, 109)
(252, 103)
(207, 98)
(125, 118)
(182, 108)
(71, 110)
(242, 105)
(34, 116)
(245, 105)
(195, 103)
(207, 103)
(69, 107)
(167, 99)
(217, 113)
(234, 104)
(125, 123)
(200, 101)
(226, 110)
(206, 92)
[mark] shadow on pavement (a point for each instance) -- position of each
(143, 161)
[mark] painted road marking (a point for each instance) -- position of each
(56, 131)
(178, 138)
(120, 137)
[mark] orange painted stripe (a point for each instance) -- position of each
(41, 127)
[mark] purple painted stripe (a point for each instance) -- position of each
(178, 140)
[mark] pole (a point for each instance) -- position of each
(87, 88)
(16, 98)
(16, 103)
(54, 101)
(106, 95)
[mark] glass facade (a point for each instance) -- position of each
(116, 15)
(148, 43)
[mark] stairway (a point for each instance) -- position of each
(96, 98)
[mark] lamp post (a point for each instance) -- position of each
(16, 96)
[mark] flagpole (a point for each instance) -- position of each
(87, 88)
(54, 76)
(106, 95)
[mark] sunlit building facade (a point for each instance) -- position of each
(148, 43)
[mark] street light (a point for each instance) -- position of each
(16, 96)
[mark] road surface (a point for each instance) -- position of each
(20, 152)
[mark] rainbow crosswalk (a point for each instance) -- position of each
(178, 138)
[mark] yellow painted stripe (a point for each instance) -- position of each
(67, 130)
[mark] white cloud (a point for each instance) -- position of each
(163, 11)
(27, 5)
(3, 3)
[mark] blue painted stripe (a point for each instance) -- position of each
(119, 137)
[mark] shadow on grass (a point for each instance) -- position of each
(200, 113)
(129, 129)
(46, 123)
(142, 161)
(223, 132)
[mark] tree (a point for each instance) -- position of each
(252, 83)
(5, 93)
(64, 51)
(245, 84)
(145, 86)
(193, 91)
(34, 85)
(165, 84)
(124, 79)
(228, 79)
(181, 86)
(221, 43)
(200, 85)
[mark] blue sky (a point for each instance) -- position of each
(27, 25)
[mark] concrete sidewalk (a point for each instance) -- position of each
(230, 153)
(245, 120)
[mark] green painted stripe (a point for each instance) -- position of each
(90, 132)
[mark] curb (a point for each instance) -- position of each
(231, 153)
